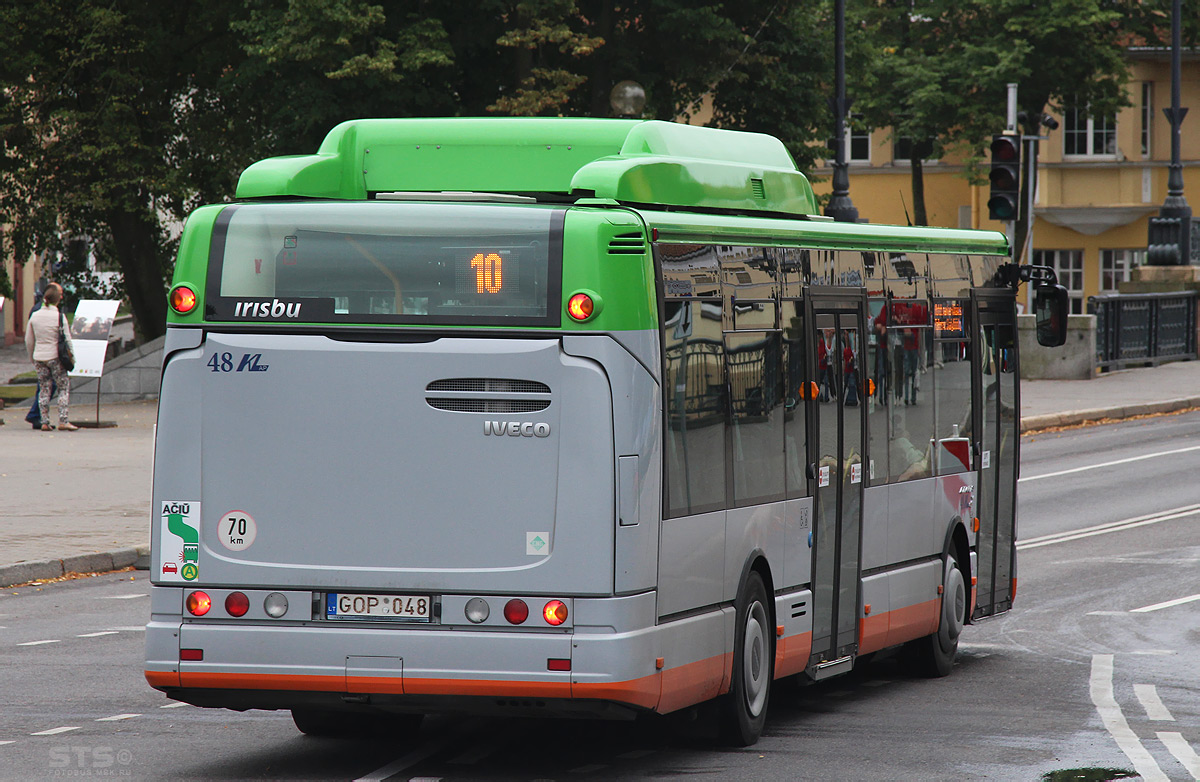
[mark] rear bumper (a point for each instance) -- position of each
(269, 665)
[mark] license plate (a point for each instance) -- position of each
(404, 608)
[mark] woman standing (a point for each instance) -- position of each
(41, 340)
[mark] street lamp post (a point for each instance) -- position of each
(1170, 232)
(840, 207)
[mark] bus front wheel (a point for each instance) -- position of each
(934, 655)
(744, 708)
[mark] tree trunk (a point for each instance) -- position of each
(136, 249)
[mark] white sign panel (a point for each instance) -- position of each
(89, 332)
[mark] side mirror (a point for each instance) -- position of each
(1050, 307)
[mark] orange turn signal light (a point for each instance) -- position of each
(198, 603)
(555, 612)
(580, 306)
(183, 299)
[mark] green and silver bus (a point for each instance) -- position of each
(570, 417)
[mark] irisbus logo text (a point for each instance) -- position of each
(266, 309)
(516, 429)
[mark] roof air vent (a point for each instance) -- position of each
(628, 244)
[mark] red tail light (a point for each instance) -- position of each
(580, 306)
(515, 611)
(237, 604)
(555, 612)
(198, 603)
(183, 299)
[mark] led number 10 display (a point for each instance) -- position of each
(489, 275)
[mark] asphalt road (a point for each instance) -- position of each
(1096, 667)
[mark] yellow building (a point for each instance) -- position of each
(1100, 179)
(15, 311)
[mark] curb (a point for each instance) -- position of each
(22, 572)
(1035, 423)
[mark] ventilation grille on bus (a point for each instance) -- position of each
(482, 385)
(488, 395)
(757, 189)
(627, 244)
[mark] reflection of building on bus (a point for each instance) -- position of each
(644, 446)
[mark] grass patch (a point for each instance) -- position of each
(17, 393)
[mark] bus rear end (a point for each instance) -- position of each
(393, 474)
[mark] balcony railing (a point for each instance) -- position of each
(1144, 328)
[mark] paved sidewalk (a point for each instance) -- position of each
(80, 501)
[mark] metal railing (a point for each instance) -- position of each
(1144, 328)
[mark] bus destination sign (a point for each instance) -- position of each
(948, 321)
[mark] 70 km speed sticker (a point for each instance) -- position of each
(236, 530)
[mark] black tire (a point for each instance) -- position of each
(744, 709)
(934, 655)
(351, 725)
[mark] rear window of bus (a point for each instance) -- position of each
(382, 262)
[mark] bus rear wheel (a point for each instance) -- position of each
(348, 725)
(744, 709)
(934, 655)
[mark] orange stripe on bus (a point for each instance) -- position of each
(160, 679)
(642, 692)
(694, 682)
(262, 681)
(873, 632)
(912, 622)
(511, 689)
(792, 653)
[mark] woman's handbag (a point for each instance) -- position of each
(65, 356)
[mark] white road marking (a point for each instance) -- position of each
(1114, 721)
(635, 754)
(1169, 604)
(172, 705)
(116, 717)
(1163, 652)
(1182, 751)
(54, 731)
(587, 769)
(124, 597)
(130, 629)
(401, 763)
(97, 635)
(1111, 464)
(1112, 526)
(1148, 695)
(39, 643)
(7, 742)
(476, 753)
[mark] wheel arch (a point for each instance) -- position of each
(958, 544)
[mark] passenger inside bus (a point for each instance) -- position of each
(910, 461)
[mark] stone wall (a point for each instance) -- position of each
(1076, 360)
(135, 374)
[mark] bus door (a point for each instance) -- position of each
(836, 475)
(997, 416)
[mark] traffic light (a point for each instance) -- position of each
(1005, 197)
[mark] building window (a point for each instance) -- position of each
(1117, 265)
(1068, 265)
(902, 149)
(1147, 115)
(858, 140)
(1086, 135)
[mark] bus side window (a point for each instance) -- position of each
(797, 399)
(696, 406)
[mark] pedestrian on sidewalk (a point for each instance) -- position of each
(41, 340)
(34, 416)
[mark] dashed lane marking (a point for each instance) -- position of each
(173, 706)
(1114, 720)
(1169, 604)
(39, 643)
(130, 629)
(1182, 751)
(405, 761)
(1147, 694)
(476, 753)
(7, 742)
(55, 731)
(116, 717)
(123, 597)
(97, 635)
